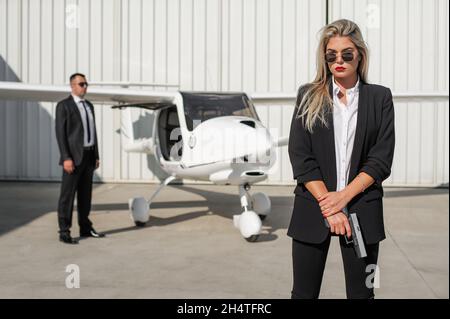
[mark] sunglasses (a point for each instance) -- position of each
(83, 84)
(332, 56)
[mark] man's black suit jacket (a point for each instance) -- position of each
(70, 132)
(312, 156)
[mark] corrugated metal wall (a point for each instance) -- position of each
(409, 53)
(263, 46)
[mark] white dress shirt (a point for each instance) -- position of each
(83, 110)
(344, 120)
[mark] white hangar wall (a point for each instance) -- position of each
(266, 47)
(408, 40)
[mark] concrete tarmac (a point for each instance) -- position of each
(190, 249)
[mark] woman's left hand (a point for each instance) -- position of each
(332, 202)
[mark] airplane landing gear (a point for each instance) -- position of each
(249, 222)
(252, 238)
(261, 204)
(140, 224)
(139, 210)
(139, 207)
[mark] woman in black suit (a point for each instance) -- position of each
(341, 147)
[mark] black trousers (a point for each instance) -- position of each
(309, 264)
(80, 183)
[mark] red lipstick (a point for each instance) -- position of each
(340, 69)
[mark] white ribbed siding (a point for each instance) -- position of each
(262, 46)
(409, 53)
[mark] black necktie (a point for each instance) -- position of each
(87, 121)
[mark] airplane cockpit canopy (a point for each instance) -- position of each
(200, 107)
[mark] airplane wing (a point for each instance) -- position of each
(121, 97)
(54, 93)
(147, 106)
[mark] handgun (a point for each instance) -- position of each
(357, 238)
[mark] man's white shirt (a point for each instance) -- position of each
(81, 108)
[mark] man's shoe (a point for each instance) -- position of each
(92, 233)
(67, 239)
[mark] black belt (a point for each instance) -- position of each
(89, 148)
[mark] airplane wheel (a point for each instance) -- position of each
(252, 238)
(262, 217)
(139, 210)
(261, 204)
(140, 224)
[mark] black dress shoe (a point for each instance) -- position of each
(91, 233)
(67, 239)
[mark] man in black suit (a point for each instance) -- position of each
(78, 146)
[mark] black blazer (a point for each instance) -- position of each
(70, 132)
(313, 158)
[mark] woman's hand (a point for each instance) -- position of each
(333, 202)
(339, 224)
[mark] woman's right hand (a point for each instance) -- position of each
(339, 224)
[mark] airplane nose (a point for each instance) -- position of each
(236, 139)
(265, 149)
(259, 144)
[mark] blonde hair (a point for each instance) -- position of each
(316, 100)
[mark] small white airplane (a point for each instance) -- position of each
(206, 136)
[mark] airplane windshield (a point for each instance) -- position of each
(199, 107)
